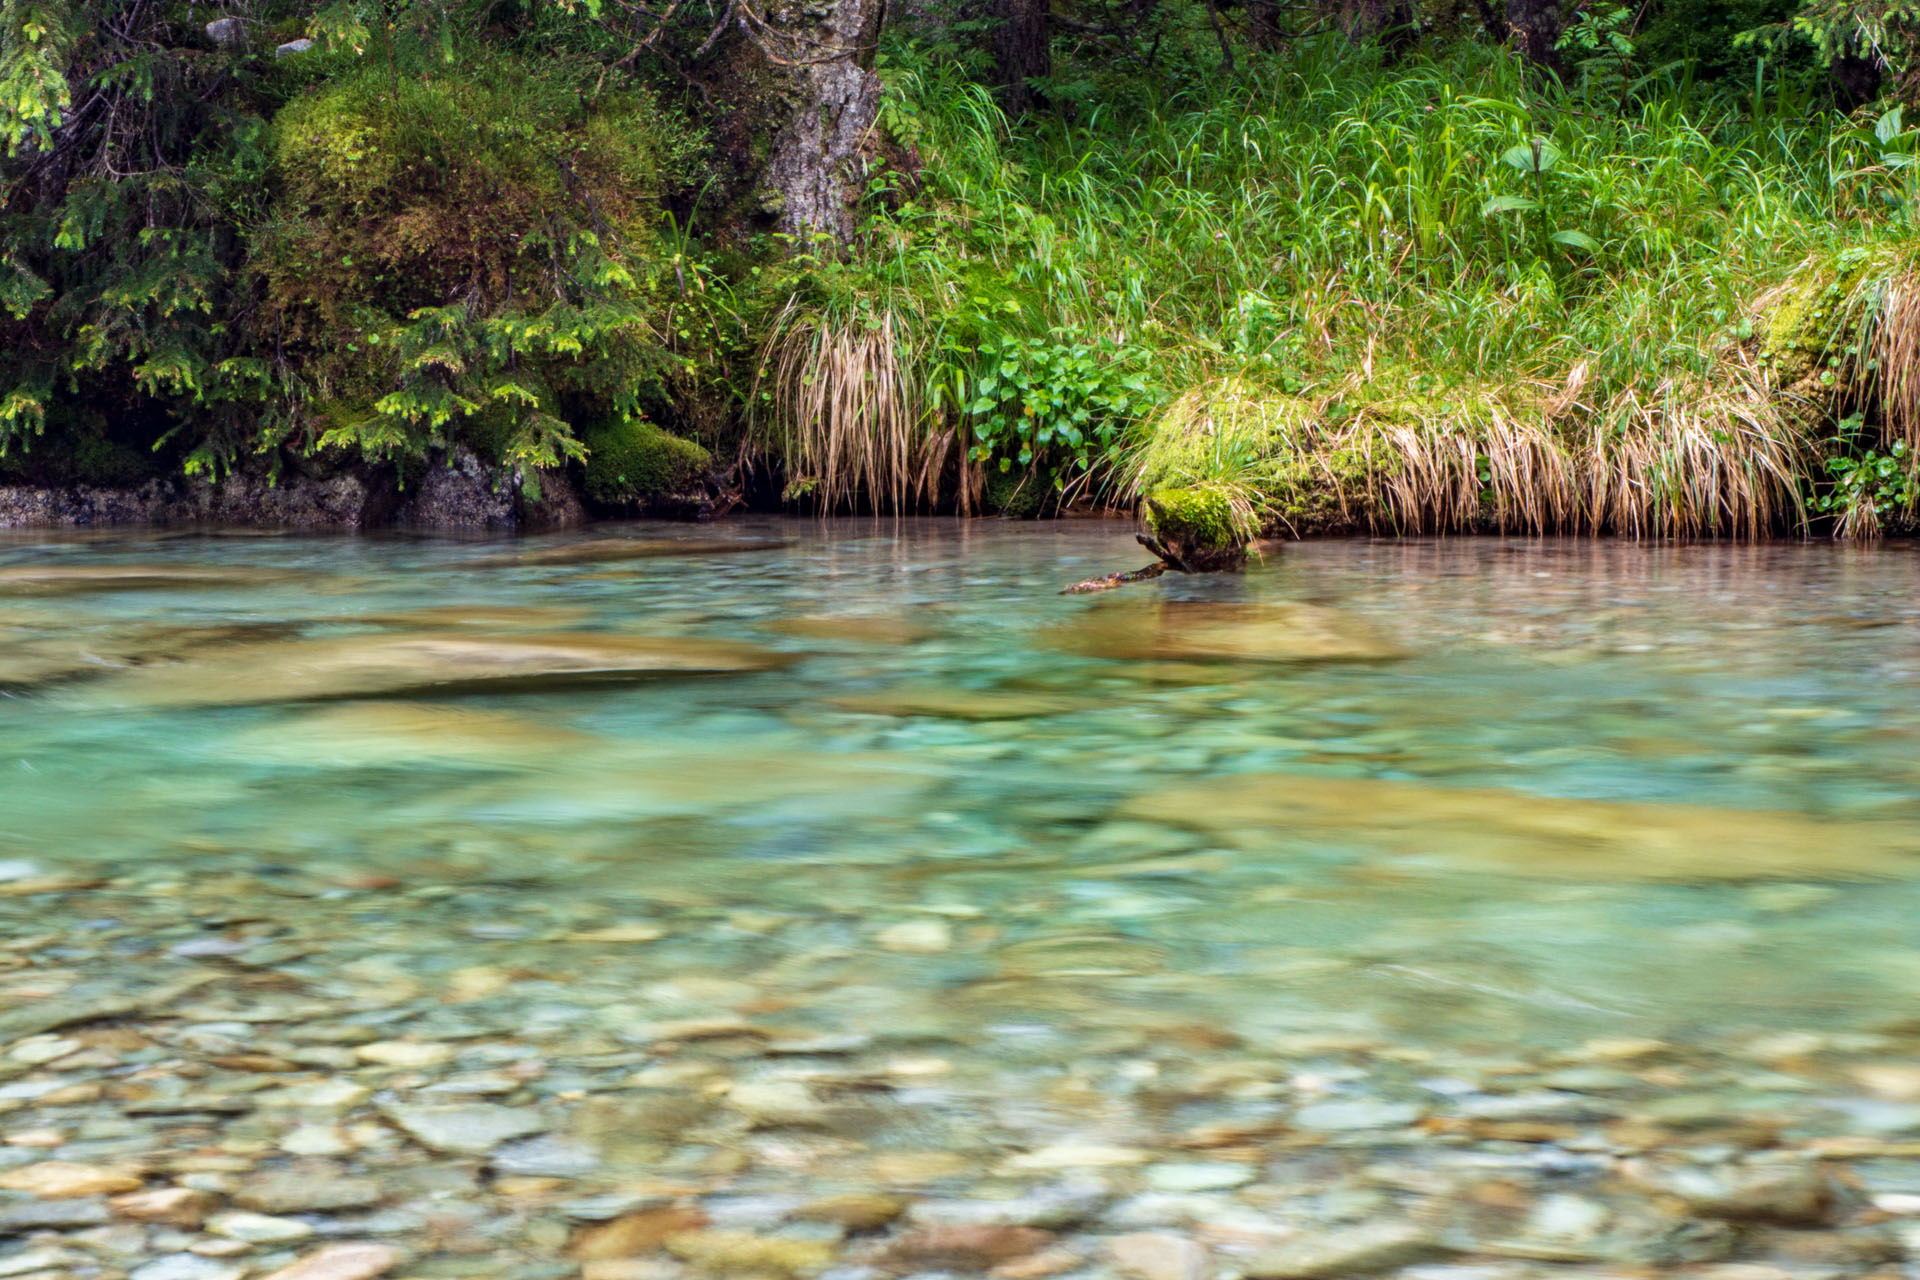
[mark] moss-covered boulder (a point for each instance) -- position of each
(1200, 528)
(636, 464)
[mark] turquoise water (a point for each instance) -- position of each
(956, 800)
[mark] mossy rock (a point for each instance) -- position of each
(1198, 527)
(636, 463)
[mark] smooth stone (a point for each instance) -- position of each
(52, 1261)
(226, 31)
(631, 1234)
(186, 1266)
(1074, 1155)
(12, 869)
(743, 1253)
(776, 1102)
(609, 550)
(1545, 1106)
(1364, 1250)
(916, 936)
(466, 1129)
(1153, 628)
(854, 1210)
(63, 1179)
(1574, 1219)
(964, 1248)
(1514, 833)
(75, 579)
(52, 1215)
(1792, 1195)
(1157, 1256)
(292, 47)
(257, 1228)
(168, 1206)
(1359, 1113)
(301, 1191)
(409, 1054)
(389, 664)
(960, 704)
(548, 1156)
(1181, 1178)
(358, 1261)
(1053, 1207)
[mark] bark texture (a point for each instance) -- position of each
(1392, 24)
(1535, 31)
(820, 74)
(1022, 52)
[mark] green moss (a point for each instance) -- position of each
(1200, 517)
(629, 463)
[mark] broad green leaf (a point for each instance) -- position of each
(1507, 204)
(1576, 240)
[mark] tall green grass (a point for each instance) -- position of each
(1472, 306)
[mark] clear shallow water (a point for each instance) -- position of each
(954, 746)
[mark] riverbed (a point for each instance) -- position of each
(800, 898)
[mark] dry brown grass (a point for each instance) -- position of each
(1679, 460)
(847, 412)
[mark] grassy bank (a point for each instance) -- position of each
(1337, 295)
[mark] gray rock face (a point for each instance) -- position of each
(226, 31)
(292, 47)
(464, 494)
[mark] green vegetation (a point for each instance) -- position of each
(630, 462)
(1648, 279)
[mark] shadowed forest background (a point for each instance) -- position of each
(1640, 268)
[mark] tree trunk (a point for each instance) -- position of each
(1388, 23)
(1022, 52)
(824, 99)
(1535, 27)
(1856, 80)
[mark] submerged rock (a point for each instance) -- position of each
(960, 704)
(1154, 629)
(471, 1129)
(1356, 1251)
(79, 579)
(1540, 836)
(597, 550)
(383, 665)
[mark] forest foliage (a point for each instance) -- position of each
(1639, 268)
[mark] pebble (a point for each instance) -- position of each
(1180, 1178)
(62, 1179)
(917, 936)
(968, 1248)
(357, 1261)
(548, 1156)
(168, 1206)
(470, 1129)
(1363, 1250)
(1360, 1113)
(404, 1053)
(186, 1266)
(297, 1191)
(854, 1210)
(56, 1215)
(258, 1228)
(1157, 1256)
(743, 1253)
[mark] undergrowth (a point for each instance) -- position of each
(1415, 299)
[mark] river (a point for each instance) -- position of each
(562, 886)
